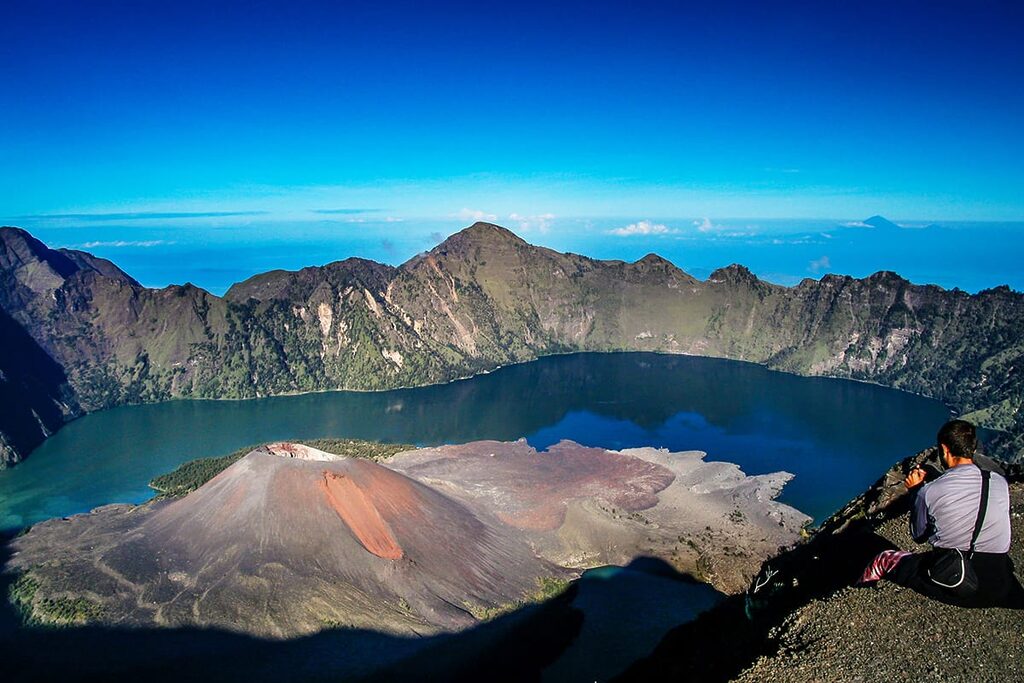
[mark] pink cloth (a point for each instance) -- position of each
(883, 563)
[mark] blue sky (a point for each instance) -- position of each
(372, 128)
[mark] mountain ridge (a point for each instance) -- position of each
(484, 298)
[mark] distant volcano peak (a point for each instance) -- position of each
(881, 223)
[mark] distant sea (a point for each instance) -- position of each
(970, 256)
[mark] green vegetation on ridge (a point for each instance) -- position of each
(548, 587)
(57, 611)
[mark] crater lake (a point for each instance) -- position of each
(835, 436)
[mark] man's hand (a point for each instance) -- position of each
(915, 478)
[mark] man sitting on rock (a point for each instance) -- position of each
(955, 512)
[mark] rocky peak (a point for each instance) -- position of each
(733, 274)
(18, 249)
(299, 285)
(480, 234)
(86, 261)
(653, 259)
(887, 278)
(652, 263)
(829, 280)
(186, 290)
(1000, 290)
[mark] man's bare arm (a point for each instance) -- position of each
(915, 478)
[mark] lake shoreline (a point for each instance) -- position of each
(953, 411)
(735, 411)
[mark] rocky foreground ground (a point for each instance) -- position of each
(890, 633)
(810, 624)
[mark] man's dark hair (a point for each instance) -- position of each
(960, 437)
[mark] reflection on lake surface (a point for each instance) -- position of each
(835, 436)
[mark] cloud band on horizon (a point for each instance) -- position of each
(139, 215)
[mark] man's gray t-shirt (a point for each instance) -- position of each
(948, 509)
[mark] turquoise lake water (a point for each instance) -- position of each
(836, 436)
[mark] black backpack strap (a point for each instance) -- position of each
(982, 507)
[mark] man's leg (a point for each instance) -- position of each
(998, 587)
(885, 562)
(912, 573)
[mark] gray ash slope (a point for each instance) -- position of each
(291, 541)
(91, 337)
(283, 546)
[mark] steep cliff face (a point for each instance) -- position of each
(35, 397)
(116, 341)
(485, 298)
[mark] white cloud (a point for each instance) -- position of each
(642, 228)
(125, 243)
(386, 219)
(796, 239)
(856, 224)
(705, 225)
(541, 222)
(820, 264)
(475, 215)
